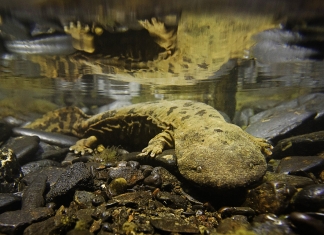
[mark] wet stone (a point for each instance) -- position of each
(307, 224)
(13, 222)
(281, 125)
(9, 202)
(131, 175)
(296, 181)
(5, 131)
(75, 177)
(298, 116)
(117, 186)
(33, 194)
(133, 199)
(301, 145)
(38, 165)
(310, 198)
(270, 197)
(51, 152)
(24, 147)
(47, 137)
(173, 225)
(10, 171)
(272, 227)
(297, 164)
(85, 199)
(171, 200)
(52, 173)
(230, 225)
(231, 211)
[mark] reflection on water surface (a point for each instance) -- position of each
(111, 54)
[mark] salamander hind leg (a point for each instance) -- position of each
(158, 143)
(84, 145)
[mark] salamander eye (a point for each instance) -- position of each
(199, 169)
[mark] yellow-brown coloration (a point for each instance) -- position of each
(210, 151)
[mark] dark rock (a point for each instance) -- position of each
(75, 177)
(85, 199)
(134, 199)
(281, 125)
(296, 164)
(10, 171)
(271, 227)
(169, 181)
(231, 211)
(117, 186)
(230, 225)
(38, 165)
(51, 138)
(9, 202)
(52, 152)
(307, 224)
(242, 118)
(154, 180)
(72, 158)
(174, 225)
(25, 148)
(131, 175)
(33, 194)
(270, 197)
(5, 131)
(52, 173)
(299, 116)
(296, 181)
(13, 222)
(171, 200)
(301, 145)
(310, 198)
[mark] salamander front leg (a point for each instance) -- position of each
(157, 144)
(84, 145)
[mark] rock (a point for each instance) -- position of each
(13, 222)
(134, 199)
(51, 138)
(52, 173)
(296, 164)
(75, 177)
(272, 197)
(171, 200)
(295, 117)
(5, 131)
(296, 181)
(310, 198)
(301, 145)
(117, 186)
(131, 175)
(33, 194)
(38, 165)
(24, 147)
(280, 125)
(231, 211)
(9, 202)
(85, 199)
(307, 224)
(10, 171)
(232, 224)
(174, 225)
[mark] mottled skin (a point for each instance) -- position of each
(210, 152)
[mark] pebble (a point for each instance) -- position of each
(309, 198)
(24, 147)
(270, 197)
(9, 202)
(296, 181)
(75, 177)
(300, 145)
(50, 138)
(297, 164)
(307, 224)
(37, 165)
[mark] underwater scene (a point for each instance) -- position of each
(162, 117)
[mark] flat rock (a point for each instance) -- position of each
(297, 164)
